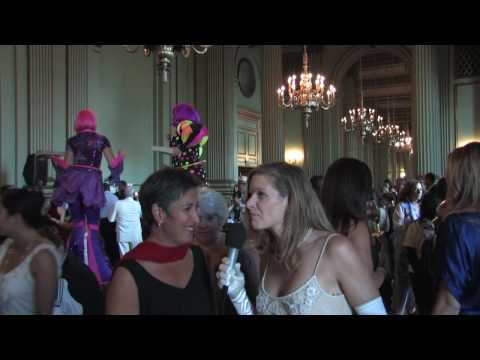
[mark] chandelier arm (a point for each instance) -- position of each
(200, 49)
(197, 49)
(305, 59)
(361, 84)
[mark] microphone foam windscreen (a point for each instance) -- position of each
(236, 235)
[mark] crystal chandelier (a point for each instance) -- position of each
(305, 96)
(166, 53)
(365, 120)
(403, 142)
(386, 133)
(392, 133)
(371, 124)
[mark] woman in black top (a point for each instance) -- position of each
(165, 275)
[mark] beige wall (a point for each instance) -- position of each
(121, 93)
(37, 111)
(43, 87)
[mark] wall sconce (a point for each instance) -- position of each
(294, 156)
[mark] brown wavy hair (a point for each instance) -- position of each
(463, 178)
(304, 212)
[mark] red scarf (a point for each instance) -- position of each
(151, 251)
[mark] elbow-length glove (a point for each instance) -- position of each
(234, 279)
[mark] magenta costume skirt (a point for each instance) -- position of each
(83, 181)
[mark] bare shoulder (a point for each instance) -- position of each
(123, 279)
(44, 264)
(122, 294)
(339, 249)
(46, 255)
(44, 258)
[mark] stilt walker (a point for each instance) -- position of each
(79, 183)
(189, 140)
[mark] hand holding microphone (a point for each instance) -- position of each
(230, 277)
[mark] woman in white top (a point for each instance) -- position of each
(406, 212)
(127, 213)
(407, 209)
(29, 263)
(306, 267)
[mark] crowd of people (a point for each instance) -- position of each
(327, 245)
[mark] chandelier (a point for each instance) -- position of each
(165, 54)
(403, 142)
(387, 133)
(365, 120)
(305, 96)
(392, 133)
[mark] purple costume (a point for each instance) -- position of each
(190, 138)
(80, 185)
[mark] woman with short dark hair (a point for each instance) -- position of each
(164, 275)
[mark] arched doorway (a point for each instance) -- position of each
(385, 81)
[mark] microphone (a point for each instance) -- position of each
(234, 240)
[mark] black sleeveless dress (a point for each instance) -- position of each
(159, 298)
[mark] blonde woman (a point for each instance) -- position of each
(459, 235)
(307, 268)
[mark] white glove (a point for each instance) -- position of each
(235, 281)
(373, 307)
(232, 278)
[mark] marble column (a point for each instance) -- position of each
(314, 145)
(381, 156)
(220, 118)
(164, 99)
(447, 121)
(41, 98)
(77, 83)
(427, 105)
(273, 137)
(323, 139)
